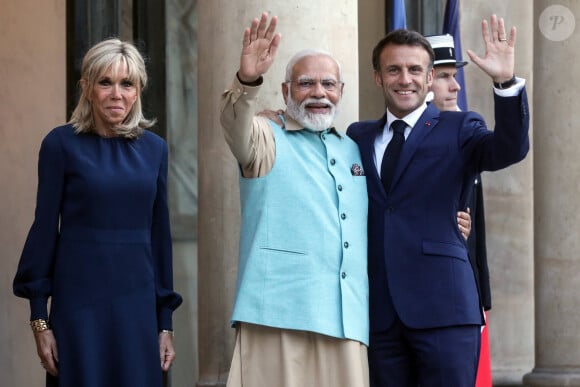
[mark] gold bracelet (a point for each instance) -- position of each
(39, 325)
(167, 331)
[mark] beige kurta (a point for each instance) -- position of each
(270, 357)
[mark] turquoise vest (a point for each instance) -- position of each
(303, 243)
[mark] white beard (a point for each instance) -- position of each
(314, 121)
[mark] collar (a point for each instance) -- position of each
(290, 124)
(410, 119)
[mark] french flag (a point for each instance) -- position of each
(451, 27)
(398, 16)
(484, 367)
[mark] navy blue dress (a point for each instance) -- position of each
(100, 249)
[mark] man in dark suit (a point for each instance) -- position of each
(445, 89)
(425, 312)
(443, 94)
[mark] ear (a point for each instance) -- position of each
(285, 92)
(378, 79)
(430, 76)
(84, 88)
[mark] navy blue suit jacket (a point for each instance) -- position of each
(418, 263)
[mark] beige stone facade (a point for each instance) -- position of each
(32, 101)
(532, 221)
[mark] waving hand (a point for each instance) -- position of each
(498, 61)
(259, 47)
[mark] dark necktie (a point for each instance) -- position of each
(392, 153)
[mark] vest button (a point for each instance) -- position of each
(345, 245)
(332, 161)
(339, 187)
(343, 275)
(343, 216)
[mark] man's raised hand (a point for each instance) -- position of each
(259, 47)
(498, 61)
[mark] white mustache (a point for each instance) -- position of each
(317, 101)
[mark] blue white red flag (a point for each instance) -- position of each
(451, 27)
(398, 16)
(484, 367)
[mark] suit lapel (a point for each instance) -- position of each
(422, 128)
(367, 148)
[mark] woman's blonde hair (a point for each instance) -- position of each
(108, 55)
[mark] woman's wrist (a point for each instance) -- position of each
(167, 332)
(39, 325)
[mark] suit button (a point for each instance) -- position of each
(343, 216)
(390, 209)
(345, 245)
(343, 275)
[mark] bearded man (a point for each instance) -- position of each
(301, 304)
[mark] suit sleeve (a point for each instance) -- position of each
(476, 244)
(481, 248)
(507, 144)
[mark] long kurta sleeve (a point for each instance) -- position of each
(250, 138)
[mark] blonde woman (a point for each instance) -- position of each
(100, 245)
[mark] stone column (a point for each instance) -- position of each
(325, 24)
(508, 196)
(33, 95)
(557, 188)
(372, 27)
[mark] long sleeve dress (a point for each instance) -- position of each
(100, 249)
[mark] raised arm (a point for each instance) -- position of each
(250, 138)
